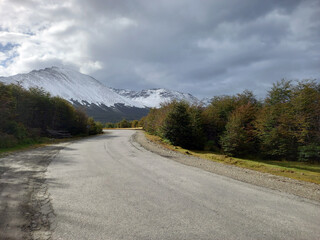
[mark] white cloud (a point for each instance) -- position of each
(2, 57)
(123, 23)
(12, 37)
(41, 41)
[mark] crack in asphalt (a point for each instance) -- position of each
(25, 207)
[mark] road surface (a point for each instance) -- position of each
(109, 187)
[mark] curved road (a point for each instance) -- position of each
(109, 187)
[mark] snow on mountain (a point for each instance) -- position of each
(206, 101)
(154, 97)
(98, 101)
(72, 86)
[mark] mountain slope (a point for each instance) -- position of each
(154, 97)
(72, 86)
(83, 91)
(98, 101)
(206, 101)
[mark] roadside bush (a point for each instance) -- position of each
(110, 125)
(7, 141)
(284, 126)
(211, 146)
(99, 127)
(18, 130)
(177, 126)
(134, 123)
(28, 115)
(94, 127)
(124, 123)
(309, 153)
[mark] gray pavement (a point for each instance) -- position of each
(109, 187)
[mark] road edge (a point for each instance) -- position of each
(310, 191)
(25, 193)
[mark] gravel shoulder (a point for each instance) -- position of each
(25, 207)
(307, 190)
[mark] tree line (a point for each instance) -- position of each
(283, 126)
(124, 123)
(29, 115)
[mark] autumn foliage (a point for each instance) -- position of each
(285, 125)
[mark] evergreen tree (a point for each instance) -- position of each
(197, 135)
(177, 126)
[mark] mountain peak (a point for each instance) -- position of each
(155, 96)
(70, 85)
(99, 101)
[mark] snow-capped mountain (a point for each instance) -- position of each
(100, 102)
(83, 91)
(71, 85)
(206, 101)
(154, 97)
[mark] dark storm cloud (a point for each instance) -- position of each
(203, 47)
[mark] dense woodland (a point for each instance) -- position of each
(283, 126)
(27, 116)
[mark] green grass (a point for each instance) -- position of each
(23, 146)
(296, 170)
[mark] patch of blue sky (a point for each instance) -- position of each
(5, 49)
(29, 33)
(5, 63)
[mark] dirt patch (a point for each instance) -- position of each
(299, 188)
(25, 207)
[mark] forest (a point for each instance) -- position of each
(29, 116)
(283, 126)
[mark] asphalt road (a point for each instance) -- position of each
(109, 187)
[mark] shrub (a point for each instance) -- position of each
(177, 126)
(309, 153)
(92, 127)
(134, 123)
(7, 141)
(124, 124)
(110, 125)
(99, 127)
(18, 130)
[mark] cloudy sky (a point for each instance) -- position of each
(205, 47)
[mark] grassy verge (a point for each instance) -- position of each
(296, 170)
(41, 142)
